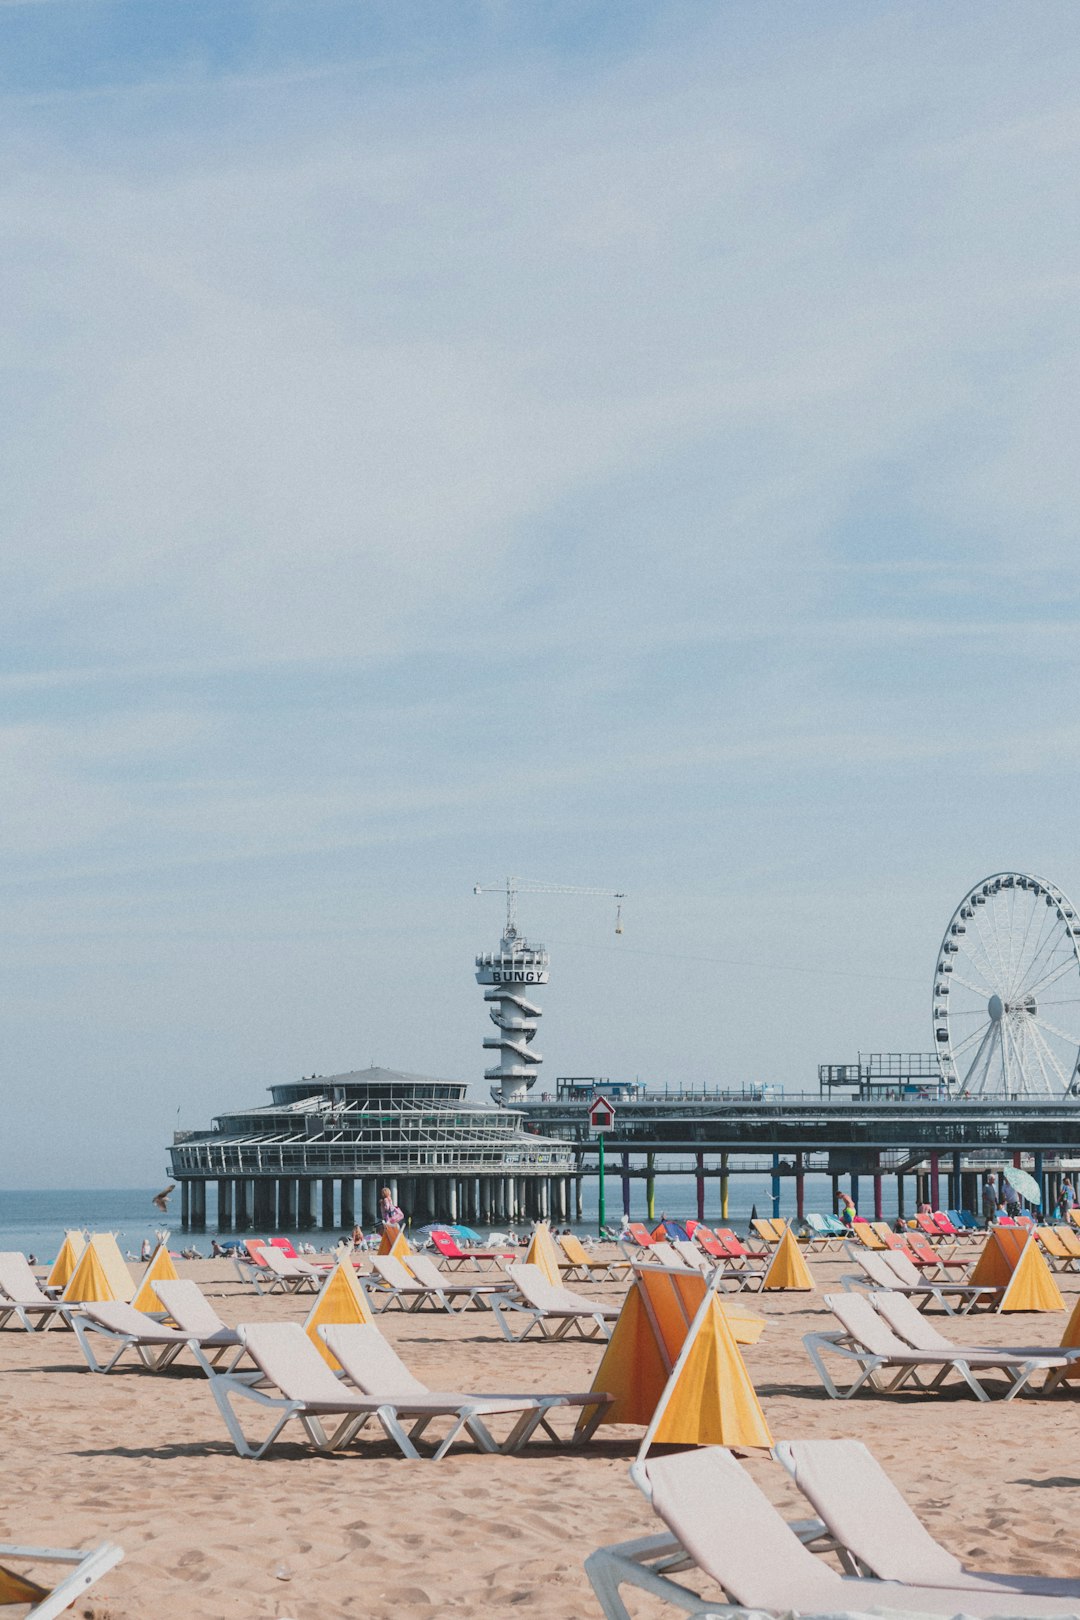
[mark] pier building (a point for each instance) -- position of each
(887, 1114)
(318, 1152)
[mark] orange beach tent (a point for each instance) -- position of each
(340, 1301)
(1012, 1260)
(673, 1363)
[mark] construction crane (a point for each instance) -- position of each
(515, 886)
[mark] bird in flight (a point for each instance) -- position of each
(161, 1199)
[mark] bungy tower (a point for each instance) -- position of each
(511, 976)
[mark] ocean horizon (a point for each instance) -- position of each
(34, 1220)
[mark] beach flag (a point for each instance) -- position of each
(543, 1253)
(788, 1269)
(1032, 1288)
(159, 1268)
(64, 1265)
(673, 1363)
(340, 1302)
(395, 1242)
(89, 1280)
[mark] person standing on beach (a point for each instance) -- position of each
(989, 1196)
(1066, 1198)
(389, 1213)
(847, 1209)
(1010, 1197)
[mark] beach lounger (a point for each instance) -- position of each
(864, 1233)
(945, 1225)
(875, 1271)
(124, 1328)
(372, 1364)
(1014, 1360)
(455, 1257)
(887, 1364)
(91, 1563)
(581, 1265)
(1069, 1237)
(395, 1284)
(21, 1296)
(289, 1276)
(555, 1311)
(964, 1295)
(877, 1533)
(720, 1521)
(191, 1312)
(1058, 1256)
(287, 1362)
(821, 1234)
(769, 1231)
(939, 1260)
(737, 1249)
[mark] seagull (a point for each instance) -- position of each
(161, 1199)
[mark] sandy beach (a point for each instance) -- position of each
(144, 1460)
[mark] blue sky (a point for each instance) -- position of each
(626, 446)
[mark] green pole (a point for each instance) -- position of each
(602, 1203)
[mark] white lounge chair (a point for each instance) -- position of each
(191, 1311)
(886, 1363)
(876, 1533)
(1018, 1362)
(292, 1276)
(21, 1295)
(721, 1522)
(554, 1310)
(287, 1362)
(91, 1563)
(460, 1294)
(374, 1366)
(895, 1273)
(421, 1285)
(124, 1328)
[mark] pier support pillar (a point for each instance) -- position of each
(369, 1201)
(650, 1186)
(224, 1205)
(956, 1200)
(935, 1181)
(900, 1196)
(198, 1205)
(800, 1188)
(724, 1187)
(185, 1204)
(348, 1204)
(835, 1192)
(775, 1187)
(877, 1197)
(701, 1186)
(451, 1199)
(626, 1185)
(306, 1202)
(286, 1203)
(328, 1204)
(242, 1205)
(579, 1198)
(855, 1192)
(1037, 1172)
(264, 1202)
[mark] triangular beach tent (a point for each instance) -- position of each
(340, 1303)
(159, 1268)
(787, 1268)
(395, 1242)
(89, 1280)
(543, 1253)
(1032, 1287)
(999, 1258)
(15, 1588)
(116, 1267)
(1070, 1340)
(673, 1363)
(64, 1265)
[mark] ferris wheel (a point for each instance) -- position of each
(1006, 997)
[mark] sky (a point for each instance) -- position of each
(630, 447)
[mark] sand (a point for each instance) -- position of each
(144, 1460)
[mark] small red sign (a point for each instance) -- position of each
(602, 1115)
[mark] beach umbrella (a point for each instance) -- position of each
(461, 1233)
(1026, 1186)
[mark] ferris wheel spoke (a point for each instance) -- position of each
(1055, 973)
(995, 971)
(969, 1040)
(1048, 946)
(981, 966)
(1044, 1023)
(982, 1055)
(1038, 1037)
(1024, 1035)
(1032, 913)
(976, 989)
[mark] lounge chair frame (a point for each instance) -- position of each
(90, 1565)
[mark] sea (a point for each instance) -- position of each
(35, 1221)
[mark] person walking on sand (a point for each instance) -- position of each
(989, 1196)
(1066, 1198)
(847, 1209)
(389, 1213)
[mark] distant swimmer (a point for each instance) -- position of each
(161, 1199)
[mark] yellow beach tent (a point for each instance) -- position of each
(788, 1269)
(340, 1302)
(89, 1280)
(159, 1268)
(543, 1253)
(673, 1363)
(395, 1242)
(64, 1265)
(1012, 1260)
